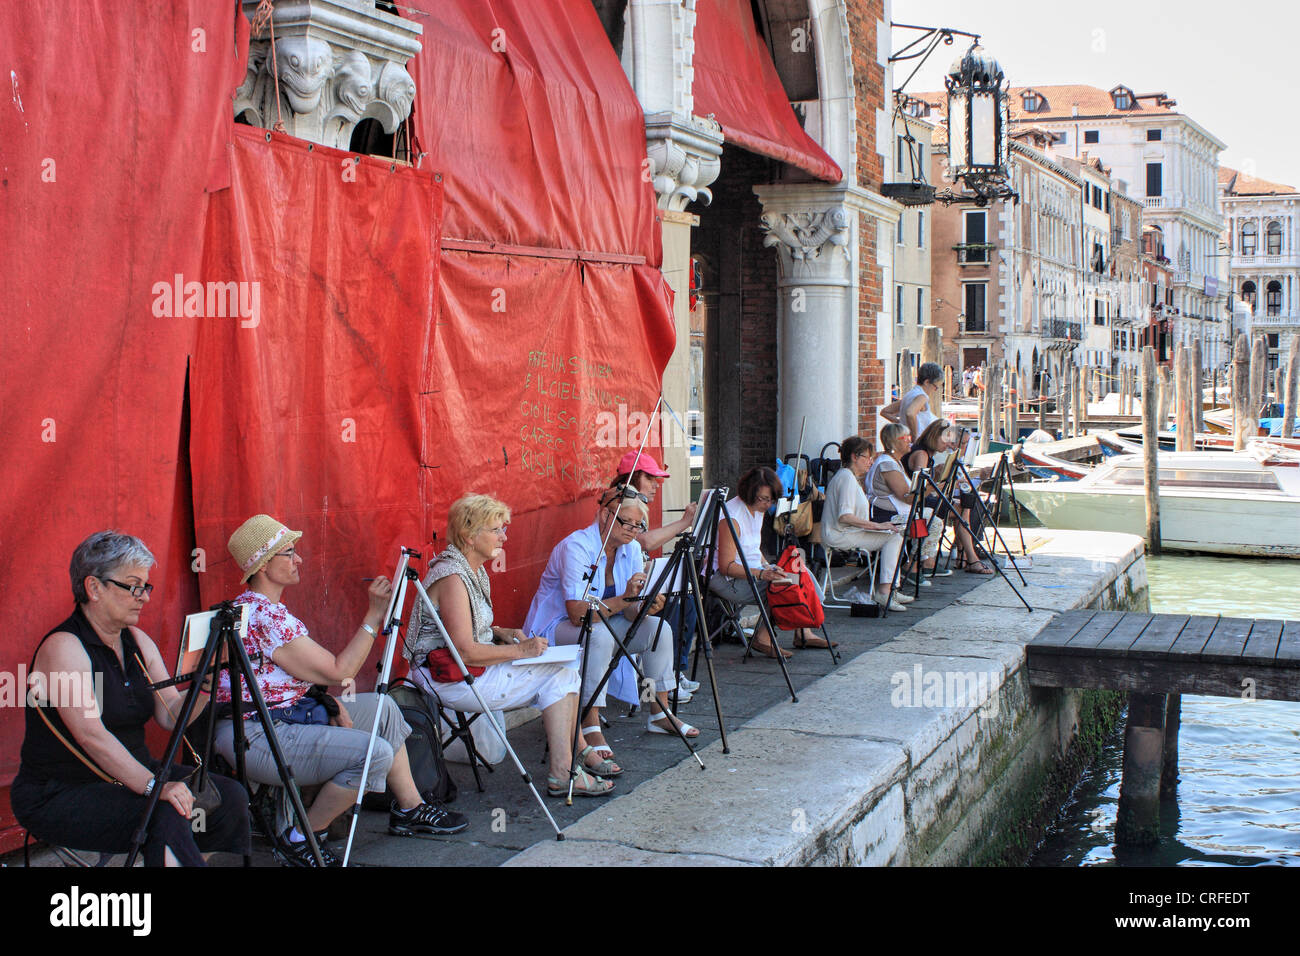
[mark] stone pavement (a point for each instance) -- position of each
(505, 819)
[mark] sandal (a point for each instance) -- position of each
(802, 640)
(604, 768)
(654, 728)
(767, 650)
(584, 785)
(602, 749)
(976, 567)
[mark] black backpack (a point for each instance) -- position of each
(423, 747)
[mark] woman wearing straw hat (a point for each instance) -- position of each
(321, 749)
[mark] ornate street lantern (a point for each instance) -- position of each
(978, 120)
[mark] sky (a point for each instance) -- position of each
(1230, 66)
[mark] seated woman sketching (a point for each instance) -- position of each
(757, 490)
(936, 440)
(458, 585)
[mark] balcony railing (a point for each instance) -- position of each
(974, 324)
(1061, 329)
(1154, 202)
(974, 253)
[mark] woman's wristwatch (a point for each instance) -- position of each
(371, 630)
(148, 787)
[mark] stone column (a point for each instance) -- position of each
(685, 157)
(813, 228)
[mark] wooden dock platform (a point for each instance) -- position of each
(1168, 654)
(1156, 658)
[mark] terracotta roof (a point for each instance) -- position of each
(1240, 184)
(1061, 101)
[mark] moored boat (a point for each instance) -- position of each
(1218, 502)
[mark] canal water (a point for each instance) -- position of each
(1239, 760)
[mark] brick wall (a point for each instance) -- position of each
(869, 96)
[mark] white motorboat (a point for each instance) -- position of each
(1245, 503)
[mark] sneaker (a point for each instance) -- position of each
(428, 819)
(688, 685)
(299, 854)
(681, 694)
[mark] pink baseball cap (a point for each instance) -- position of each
(630, 463)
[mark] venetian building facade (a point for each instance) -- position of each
(1172, 162)
(791, 269)
(913, 243)
(1262, 221)
(1013, 270)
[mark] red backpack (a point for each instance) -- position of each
(795, 605)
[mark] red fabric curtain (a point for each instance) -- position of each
(525, 110)
(529, 399)
(111, 124)
(312, 413)
(736, 81)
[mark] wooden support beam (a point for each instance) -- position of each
(1150, 450)
(1138, 820)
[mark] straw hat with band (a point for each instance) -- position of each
(256, 541)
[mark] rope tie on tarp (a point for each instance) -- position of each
(262, 19)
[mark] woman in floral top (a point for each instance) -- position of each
(321, 749)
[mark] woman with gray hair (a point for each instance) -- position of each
(86, 773)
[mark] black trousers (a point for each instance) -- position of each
(102, 817)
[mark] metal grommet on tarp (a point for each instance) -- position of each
(268, 136)
(437, 177)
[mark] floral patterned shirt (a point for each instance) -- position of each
(270, 627)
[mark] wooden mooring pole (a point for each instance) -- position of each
(1242, 420)
(1292, 401)
(1185, 436)
(1150, 450)
(1198, 389)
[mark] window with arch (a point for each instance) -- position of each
(1273, 239)
(1249, 294)
(1273, 298)
(1249, 239)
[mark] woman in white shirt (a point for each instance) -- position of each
(847, 524)
(758, 489)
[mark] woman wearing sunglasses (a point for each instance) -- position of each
(568, 586)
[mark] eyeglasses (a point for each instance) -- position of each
(290, 554)
(628, 493)
(764, 500)
(136, 590)
(631, 525)
(499, 532)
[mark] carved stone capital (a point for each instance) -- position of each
(807, 235)
(337, 62)
(685, 157)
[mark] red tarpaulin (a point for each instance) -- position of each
(311, 412)
(736, 81)
(526, 111)
(111, 124)
(528, 399)
(369, 391)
